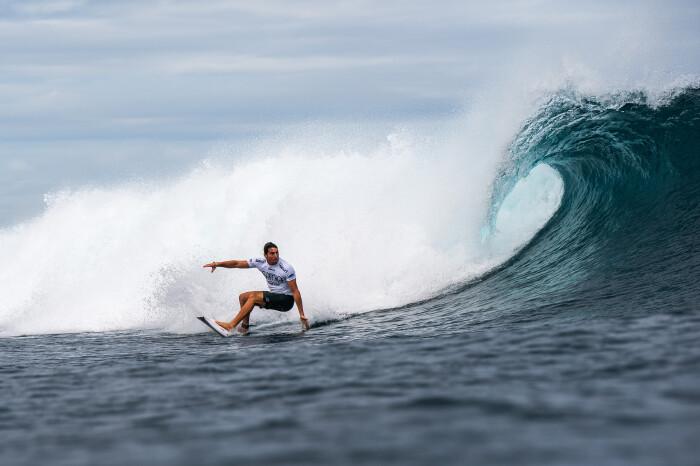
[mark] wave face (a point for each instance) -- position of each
(625, 237)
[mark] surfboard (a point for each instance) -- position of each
(211, 323)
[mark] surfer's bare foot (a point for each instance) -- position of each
(242, 329)
(225, 325)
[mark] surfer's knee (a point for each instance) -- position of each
(254, 297)
(257, 298)
(243, 297)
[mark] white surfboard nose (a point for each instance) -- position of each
(211, 323)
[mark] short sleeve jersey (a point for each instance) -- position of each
(276, 275)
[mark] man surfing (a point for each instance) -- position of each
(281, 280)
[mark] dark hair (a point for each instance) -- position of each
(268, 246)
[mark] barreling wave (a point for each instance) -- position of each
(625, 236)
(595, 207)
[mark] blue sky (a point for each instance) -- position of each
(100, 91)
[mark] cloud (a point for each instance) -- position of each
(44, 8)
(19, 166)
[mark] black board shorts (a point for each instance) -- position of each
(278, 301)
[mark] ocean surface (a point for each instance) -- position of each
(529, 299)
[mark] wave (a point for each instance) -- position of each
(625, 236)
(596, 199)
(368, 223)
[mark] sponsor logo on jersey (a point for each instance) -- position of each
(272, 278)
(260, 261)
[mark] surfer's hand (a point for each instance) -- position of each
(212, 265)
(305, 321)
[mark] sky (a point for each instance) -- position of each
(94, 92)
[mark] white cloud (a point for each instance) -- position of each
(48, 7)
(18, 166)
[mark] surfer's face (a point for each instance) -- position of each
(272, 256)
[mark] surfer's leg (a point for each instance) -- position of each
(250, 300)
(242, 298)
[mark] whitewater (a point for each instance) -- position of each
(368, 223)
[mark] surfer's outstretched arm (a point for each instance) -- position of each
(229, 265)
(297, 300)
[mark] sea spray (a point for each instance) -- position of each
(365, 229)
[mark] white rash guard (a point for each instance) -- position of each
(276, 275)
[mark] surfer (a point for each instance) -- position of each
(281, 280)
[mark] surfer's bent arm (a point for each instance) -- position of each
(297, 300)
(229, 265)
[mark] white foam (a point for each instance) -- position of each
(377, 226)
